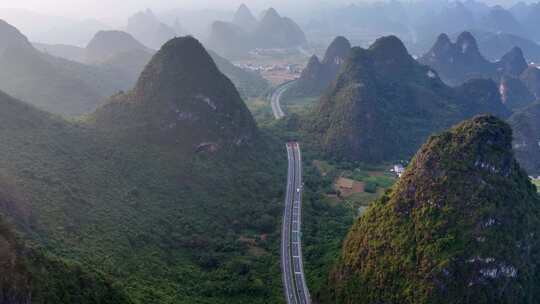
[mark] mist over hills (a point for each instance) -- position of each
(237, 38)
(494, 45)
(147, 28)
(244, 18)
(418, 23)
(461, 61)
(318, 75)
(49, 82)
(384, 104)
(108, 44)
(120, 52)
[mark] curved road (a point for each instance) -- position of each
(292, 264)
(275, 100)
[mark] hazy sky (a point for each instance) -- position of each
(120, 9)
(107, 8)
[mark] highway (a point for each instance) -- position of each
(292, 263)
(275, 100)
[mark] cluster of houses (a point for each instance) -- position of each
(398, 170)
(289, 68)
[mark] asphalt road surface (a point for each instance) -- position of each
(292, 264)
(276, 100)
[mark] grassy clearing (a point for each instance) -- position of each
(260, 108)
(299, 105)
(536, 182)
(328, 216)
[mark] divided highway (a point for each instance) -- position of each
(292, 264)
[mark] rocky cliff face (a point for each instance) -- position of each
(514, 93)
(526, 126)
(458, 227)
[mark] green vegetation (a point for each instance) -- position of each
(29, 274)
(173, 209)
(261, 109)
(536, 182)
(159, 221)
(384, 104)
(318, 75)
(458, 227)
(299, 106)
(327, 218)
(325, 225)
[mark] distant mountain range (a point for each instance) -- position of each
(494, 45)
(384, 104)
(52, 29)
(49, 82)
(461, 61)
(245, 33)
(147, 28)
(418, 23)
(121, 52)
(244, 18)
(108, 44)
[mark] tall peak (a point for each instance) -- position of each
(176, 60)
(513, 62)
(244, 18)
(182, 98)
(464, 186)
(443, 40)
(271, 13)
(467, 43)
(106, 44)
(338, 51)
(389, 46)
(10, 36)
(313, 60)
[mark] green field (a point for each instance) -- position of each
(536, 182)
